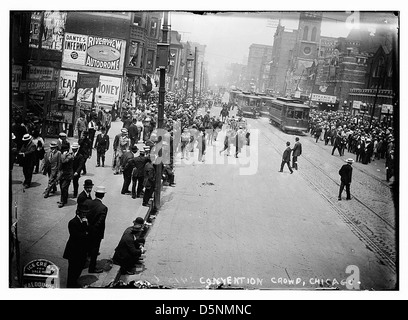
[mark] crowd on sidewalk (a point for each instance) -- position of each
(369, 142)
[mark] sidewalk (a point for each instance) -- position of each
(43, 227)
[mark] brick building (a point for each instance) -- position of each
(258, 67)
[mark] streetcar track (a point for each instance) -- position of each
(355, 228)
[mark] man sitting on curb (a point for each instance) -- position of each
(130, 248)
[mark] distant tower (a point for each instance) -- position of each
(310, 28)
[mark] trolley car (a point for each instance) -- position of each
(248, 105)
(289, 115)
(266, 103)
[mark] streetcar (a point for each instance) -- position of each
(290, 115)
(248, 105)
(266, 103)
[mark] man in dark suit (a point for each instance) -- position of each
(286, 158)
(133, 133)
(96, 218)
(127, 166)
(86, 194)
(76, 247)
(337, 144)
(138, 174)
(85, 147)
(149, 181)
(77, 166)
(297, 151)
(101, 146)
(130, 247)
(346, 173)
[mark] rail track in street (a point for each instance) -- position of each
(374, 228)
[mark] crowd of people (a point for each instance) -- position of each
(368, 142)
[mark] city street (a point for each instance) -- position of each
(263, 230)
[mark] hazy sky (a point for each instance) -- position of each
(229, 35)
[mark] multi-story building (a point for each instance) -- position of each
(236, 73)
(283, 46)
(50, 49)
(258, 67)
(175, 75)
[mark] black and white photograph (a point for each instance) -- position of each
(203, 150)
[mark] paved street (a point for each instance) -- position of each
(263, 230)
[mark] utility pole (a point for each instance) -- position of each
(201, 80)
(376, 95)
(195, 67)
(163, 62)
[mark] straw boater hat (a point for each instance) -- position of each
(27, 137)
(349, 160)
(100, 189)
(53, 144)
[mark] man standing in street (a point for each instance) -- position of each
(77, 167)
(297, 151)
(66, 174)
(86, 194)
(133, 133)
(149, 181)
(286, 158)
(138, 174)
(52, 163)
(101, 146)
(85, 147)
(81, 125)
(27, 154)
(346, 173)
(92, 129)
(76, 247)
(337, 143)
(120, 144)
(128, 168)
(96, 219)
(62, 141)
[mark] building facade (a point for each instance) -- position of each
(258, 67)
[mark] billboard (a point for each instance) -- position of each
(93, 54)
(323, 93)
(107, 92)
(53, 23)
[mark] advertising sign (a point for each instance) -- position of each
(53, 23)
(37, 85)
(41, 273)
(107, 92)
(357, 104)
(322, 93)
(95, 54)
(387, 108)
(16, 74)
(40, 73)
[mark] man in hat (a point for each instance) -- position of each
(96, 218)
(128, 166)
(286, 158)
(120, 144)
(139, 163)
(101, 146)
(130, 248)
(81, 125)
(52, 163)
(77, 167)
(85, 148)
(27, 156)
(133, 132)
(149, 181)
(66, 174)
(297, 151)
(62, 141)
(86, 193)
(346, 172)
(76, 248)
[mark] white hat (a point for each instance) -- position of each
(27, 137)
(349, 160)
(75, 145)
(100, 189)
